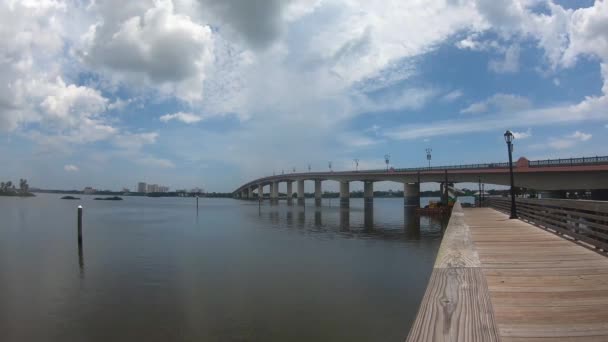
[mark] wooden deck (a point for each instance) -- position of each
(500, 279)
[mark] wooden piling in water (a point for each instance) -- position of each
(79, 225)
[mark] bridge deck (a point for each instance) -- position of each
(511, 281)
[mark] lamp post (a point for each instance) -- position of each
(356, 160)
(309, 167)
(428, 156)
(509, 140)
(387, 160)
(329, 164)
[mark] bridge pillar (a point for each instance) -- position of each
(368, 192)
(250, 192)
(318, 193)
(301, 192)
(289, 193)
(260, 191)
(244, 194)
(274, 191)
(411, 195)
(344, 194)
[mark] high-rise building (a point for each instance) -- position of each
(142, 187)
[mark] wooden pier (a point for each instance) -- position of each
(497, 279)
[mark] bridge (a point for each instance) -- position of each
(586, 173)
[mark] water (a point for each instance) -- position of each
(152, 270)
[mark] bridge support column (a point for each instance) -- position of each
(289, 193)
(274, 191)
(318, 193)
(368, 193)
(344, 194)
(411, 195)
(260, 191)
(301, 192)
(250, 192)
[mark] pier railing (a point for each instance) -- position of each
(582, 221)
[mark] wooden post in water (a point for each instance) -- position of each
(197, 204)
(79, 225)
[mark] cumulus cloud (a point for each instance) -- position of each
(258, 22)
(499, 103)
(71, 168)
(187, 118)
(151, 44)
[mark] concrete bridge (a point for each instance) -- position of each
(587, 173)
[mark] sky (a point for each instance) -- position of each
(215, 93)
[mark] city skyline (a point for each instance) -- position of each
(193, 93)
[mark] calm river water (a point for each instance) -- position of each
(152, 270)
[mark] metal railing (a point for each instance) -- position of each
(582, 221)
(570, 161)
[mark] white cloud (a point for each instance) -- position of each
(588, 33)
(150, 44)
(568, 141)
(578, 135)
(452, 96)
(522, 135)
(71, 168)
(510, 63)
(499, 103)
(187, 118)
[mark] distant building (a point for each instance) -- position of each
(142, 187)
(196, 190)
(152, 188)
(88, 190)
(126, 190)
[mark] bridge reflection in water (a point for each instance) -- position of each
(384, 218)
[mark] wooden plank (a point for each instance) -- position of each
(542, 287)
(457, 249)
(455, 307)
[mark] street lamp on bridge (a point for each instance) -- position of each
(356, 160)
(387, 160)
(428, 155)
(329, 164)
(509, 140)
(308, 167)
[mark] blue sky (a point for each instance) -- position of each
(213, 93)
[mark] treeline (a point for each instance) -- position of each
(9, 189)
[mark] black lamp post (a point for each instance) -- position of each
(509, 140)
(387, 160)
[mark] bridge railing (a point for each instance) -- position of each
(570, 161)
(582, 221)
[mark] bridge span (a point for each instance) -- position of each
(587, 173)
